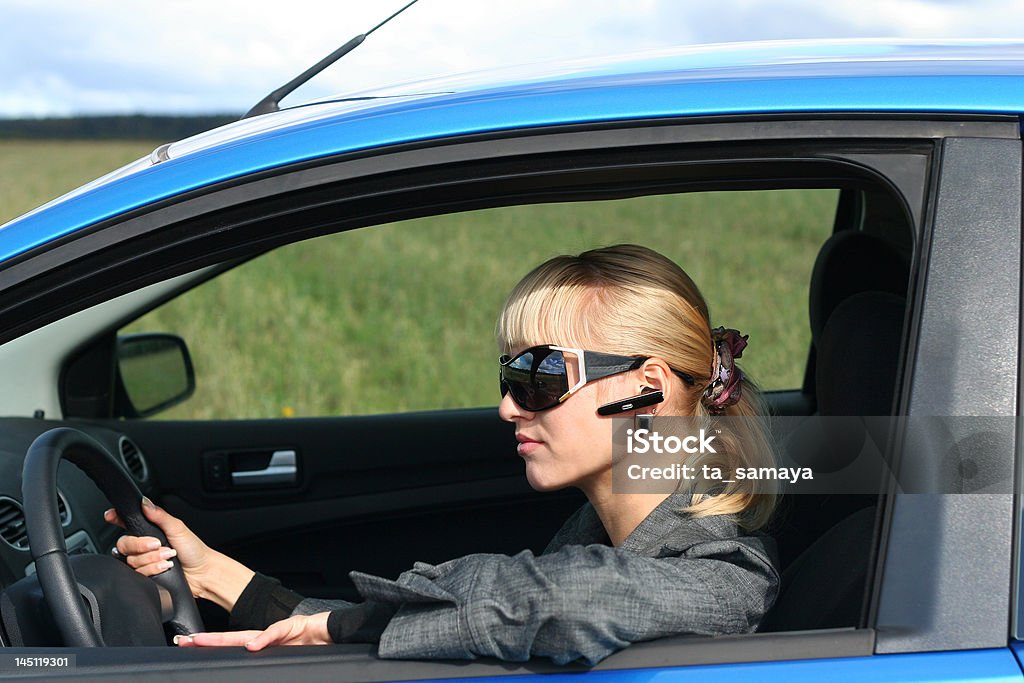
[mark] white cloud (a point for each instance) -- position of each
(64, 57)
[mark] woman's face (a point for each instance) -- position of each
(570, 444)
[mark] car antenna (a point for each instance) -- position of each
(271, 102)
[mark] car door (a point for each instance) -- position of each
(952, 182)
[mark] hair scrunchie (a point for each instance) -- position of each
(725, 387)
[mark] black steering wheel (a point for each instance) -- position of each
(64, 594)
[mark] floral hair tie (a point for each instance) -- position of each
(725, 387)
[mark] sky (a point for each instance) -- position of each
(74, 57)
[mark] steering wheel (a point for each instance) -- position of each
(46, 539)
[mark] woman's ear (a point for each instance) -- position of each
(657, 375)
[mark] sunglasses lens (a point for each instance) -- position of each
(536, 378)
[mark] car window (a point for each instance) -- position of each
(400, 317)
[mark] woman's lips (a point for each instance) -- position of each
(526, 444)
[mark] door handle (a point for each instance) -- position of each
(281, 469)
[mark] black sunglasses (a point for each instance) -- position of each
(538, 380)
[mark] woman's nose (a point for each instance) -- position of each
(509, 410)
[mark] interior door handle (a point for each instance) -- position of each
(281, 469)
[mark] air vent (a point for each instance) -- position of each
(132, 458)
(12, 523)
(63, 509)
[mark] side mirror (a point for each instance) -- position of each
(154, 372)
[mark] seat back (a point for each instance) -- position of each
(825, 585)
(857, 310)
(850, 262)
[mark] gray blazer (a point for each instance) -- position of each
(581, 598)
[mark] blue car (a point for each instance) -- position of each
(210, 315)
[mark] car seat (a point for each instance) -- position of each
(850, 262)
(824, 586)
(857, 308)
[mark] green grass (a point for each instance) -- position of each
(34, 172)
(401, 317)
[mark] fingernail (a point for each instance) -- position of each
(152, 544)
(166, 564)
(109, 512)
(167, 553)
(146, 502)
(182, 639)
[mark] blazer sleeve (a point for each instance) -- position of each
(580, 602)
(264, 601)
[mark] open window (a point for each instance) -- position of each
(400, 317)
(330, 316)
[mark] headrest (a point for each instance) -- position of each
(848, 263)
(858, 355)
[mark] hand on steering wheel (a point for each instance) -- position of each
(210, 574)
(146, 555)
(46, 538)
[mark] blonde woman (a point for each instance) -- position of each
(612, 332)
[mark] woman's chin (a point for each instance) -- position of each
(541, 483)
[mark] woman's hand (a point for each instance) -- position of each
(298, 630)
(210, 574)
(149, 557)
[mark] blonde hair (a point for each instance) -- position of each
(630, 300)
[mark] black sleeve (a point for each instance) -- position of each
(263, 602)
(359, 623)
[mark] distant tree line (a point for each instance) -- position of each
(137, 127)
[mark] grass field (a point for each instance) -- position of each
(34, 172)
(401, 317)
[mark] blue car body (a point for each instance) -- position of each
(799, 80)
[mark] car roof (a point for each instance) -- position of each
(781, 77)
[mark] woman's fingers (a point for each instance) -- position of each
(279, 633)
(297, 630)
(228, 639)
(137, 545)
(168, 523)
(251, 640)
(155, 569)
(145, 554)
(111, 517)
(152, 562)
